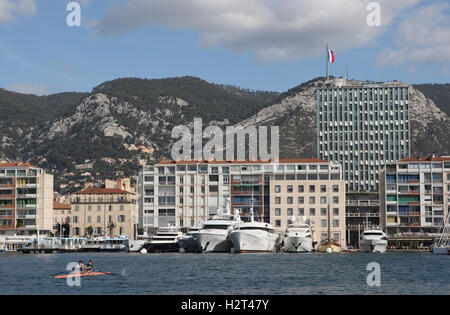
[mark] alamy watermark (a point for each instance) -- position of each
(73, 280)
(374, 277)
(374, 17)
(214, 149)
(74, 17)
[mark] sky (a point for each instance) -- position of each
(256, 44)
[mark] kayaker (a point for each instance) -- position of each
(81, 267)
(89, 266)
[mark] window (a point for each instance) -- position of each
(301, 200)
(312, 188)
(290, 211)
(335, 200)
(323, 211)
(323, 200)
(312, 200)
(323, 188)
(312, 211)
(277, 212)
(277, 223)
(277, 188)
(99, 219)
(300, 188)
(290, 200)
(289, 189)
(301, 211)
(277, 200)
(335, 211)
(335, 188)
(323, 223)
(335, 223)
(121, 218)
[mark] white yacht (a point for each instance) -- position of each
(187, 243)
(373, 240)
(255, 237)
(298, 237)
(138, 244)
(165, 240)
(213, 237)
(441, 246)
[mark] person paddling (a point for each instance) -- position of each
(89, 266)
(80, 267)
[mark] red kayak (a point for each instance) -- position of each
(85, 274)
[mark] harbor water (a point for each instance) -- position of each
(309, 273)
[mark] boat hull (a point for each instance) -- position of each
(373, 246)
(297, 244)
(171, 247)
(90, 274)
(245, 241)
(441, 250)
(329, 248)
(211, 242)
(188, 245)
(136, 246)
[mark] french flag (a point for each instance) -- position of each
(330, 56)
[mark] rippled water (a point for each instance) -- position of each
(312, 273)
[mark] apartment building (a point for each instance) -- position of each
(26, 200)
(103, 211)
(415, 195)
(319, 200)
(362, 126)
(186, 193)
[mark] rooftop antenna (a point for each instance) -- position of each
(346, 72)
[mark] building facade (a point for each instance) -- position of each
(186, 193)
(26, 200)
(103, 211)
(362, 126)
(61, 219)
(415, 195)
(313, 199)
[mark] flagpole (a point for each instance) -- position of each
(326, 60)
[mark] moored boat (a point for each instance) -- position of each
(254, 236)
(187, 243)
(165, 240)
(373, 240)
(298, 237)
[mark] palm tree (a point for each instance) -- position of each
(111, 227)
(89, 230)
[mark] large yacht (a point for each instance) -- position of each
(165, 240)
(187, 243)
(298, 236)
(213, 237)
(138, 244)
(373, 240)
(255, 237)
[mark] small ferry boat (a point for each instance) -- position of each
(165, 240)
(254, 236)
(115, 244)
(213, 236)
(441, 246)
(45, 245)
(93, 244)
(187, 243)
(298, 237)
(71, 244)
(373, 240)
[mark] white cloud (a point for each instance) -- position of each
(421, 38)
(28, 88)
(272, 30)
(10, 8)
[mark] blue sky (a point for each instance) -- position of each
(253, 44)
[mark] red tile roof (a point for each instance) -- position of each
(60, 206)
(102, 191)
(16, 164)
(426, 159)
(311, 160)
